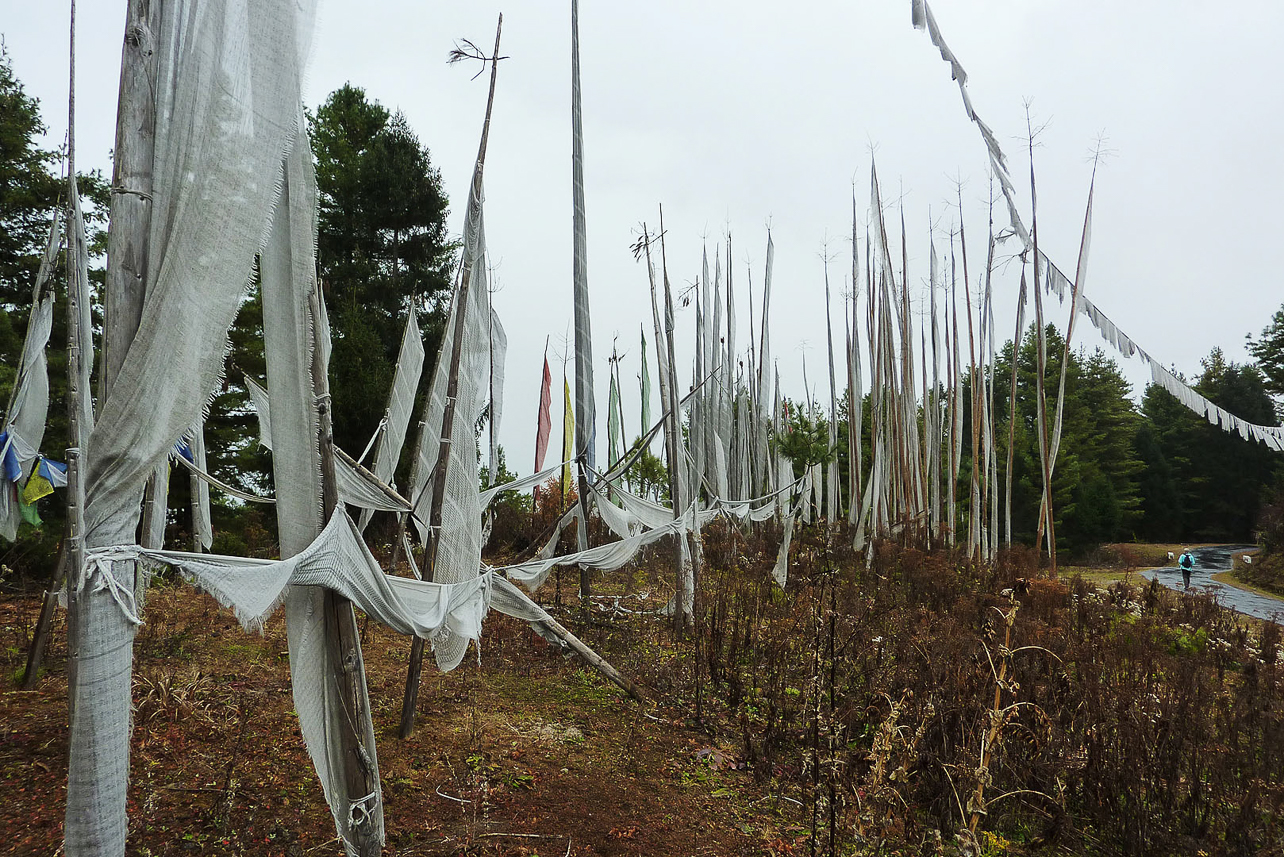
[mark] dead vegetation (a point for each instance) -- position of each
(921, 706)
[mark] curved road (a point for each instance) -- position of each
(1210, 561)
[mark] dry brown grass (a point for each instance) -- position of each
(854, 713)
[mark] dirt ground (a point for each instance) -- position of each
(520, 751)
(527, 753)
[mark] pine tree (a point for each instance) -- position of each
(30, 191)
(1221, 479)
(382, 250)
(1268, 351)
(1096, 492)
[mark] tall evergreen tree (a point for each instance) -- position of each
(382, 250)
(1108, 499)
(30, 190)
(1161, 503)
(1268, 351)
(1096, 497)
(1221, 478)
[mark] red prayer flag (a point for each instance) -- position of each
(545, 417)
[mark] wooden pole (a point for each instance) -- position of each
(974, 515)
(411, 696)
(1046, 516)
(592, 658)
(131, 189)
(78, 432)
(685, 582)
(1012, 398)
(583, 342)
(40, 639)
(342, 633)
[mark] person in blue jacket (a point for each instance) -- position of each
(1187, 563)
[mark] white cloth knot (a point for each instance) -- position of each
(98, 572)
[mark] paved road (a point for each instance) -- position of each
(1209, 561)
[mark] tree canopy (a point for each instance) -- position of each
(382, 250)
(1268, 352)
(31, 189)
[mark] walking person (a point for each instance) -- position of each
(1187, 563)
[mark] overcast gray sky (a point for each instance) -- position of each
(736, 115)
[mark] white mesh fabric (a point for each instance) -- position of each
(1272, 436)
(25, 421)
(31, 389)
(202, 525)
(339, 560)
(550, 546)
(617, 520)
(10, 514)
(29, 401)
(721, 416)
(154, 536)
(498, 353)
(780, 571)
(227, 93)
(650, 514)
(217, 167)
(607, 557)
(356, 489)
(1056, 280)
(288, 270)
(218, 483)
(614, 442)
(761, 508)
(458, 555)
(78, 284)
(259, 401)
(758, 452)
(401, 403)
(585, 426)
(485, 498)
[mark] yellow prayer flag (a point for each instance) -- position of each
(37, 487)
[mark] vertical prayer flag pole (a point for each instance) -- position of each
(584, 426)
(77, 432)
(1041, 402)
(448, 416)
(96, 820)
(360, 774)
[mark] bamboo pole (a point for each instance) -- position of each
(987, 329)
(1046, 516)
(934, 400)
(683, 608)
(833, 497)
(411, 696)
(1016, 356)
(974, 515)
(77, 431)
(583, 342)
(87, 816)
(855, 400)
(1080, 273)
